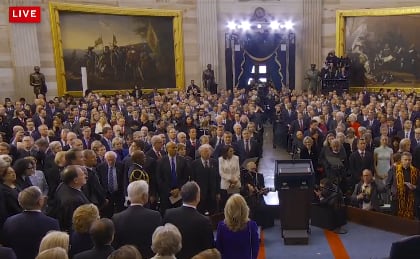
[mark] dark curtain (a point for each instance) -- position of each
(275, 62)
(261, 48)
(292, 60)
(229, 69)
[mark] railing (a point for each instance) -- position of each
(339, 85)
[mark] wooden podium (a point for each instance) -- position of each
(294, 181)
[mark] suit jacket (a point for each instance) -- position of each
(195, 228)
(101, 252)
(93, 189)
(7, 253)
(408, 247)
(10, 202)
(191, 150)
(207, 178)
(24, 232)
(254, 150)
(102, 170)
(374, 195)
(416, 157)
(135, 226)
(357, 164)
(75, 127)
(374, 127)
(68, 199)
(104, 142)
(163, 175)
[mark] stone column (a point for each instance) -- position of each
(25, 54)
(312, 34)
(207, 36)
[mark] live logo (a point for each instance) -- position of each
(24, 14)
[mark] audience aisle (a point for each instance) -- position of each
(359, 242)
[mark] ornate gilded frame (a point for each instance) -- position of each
(341, 25)
(56, 8)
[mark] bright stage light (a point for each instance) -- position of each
(231, 25)
(259, 26)
(288, 25)
(245, 25)
(274, 25)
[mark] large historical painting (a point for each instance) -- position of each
(119, 50)
(383, 49)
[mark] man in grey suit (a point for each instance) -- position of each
(136, 224)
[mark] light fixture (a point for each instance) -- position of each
(259, 26)
(274, 25)
(231, 25)
(245, 25)
(288, 25)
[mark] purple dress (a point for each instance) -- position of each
(243, 244)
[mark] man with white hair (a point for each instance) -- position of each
(136, 224)
(204, 170)
(111, 177)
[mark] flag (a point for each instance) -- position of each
(152, 38)
(98, 41)
(114, 40)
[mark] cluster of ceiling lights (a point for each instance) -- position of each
(246, 25)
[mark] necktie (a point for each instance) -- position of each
(193, 143)
(247, 146)
(219, 141)
(407, 135)
(362, 154)
(159, 156)
(173, 173)
(300, 124)
(111, 182)
(206, 164)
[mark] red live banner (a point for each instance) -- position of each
(24, 14)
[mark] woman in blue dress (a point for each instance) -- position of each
(237, 236)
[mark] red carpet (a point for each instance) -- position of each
(261, 252)
(337, 248)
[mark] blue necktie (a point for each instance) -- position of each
(173, 173)
(111, 183)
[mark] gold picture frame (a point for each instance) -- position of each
(378, 24)
(148, 18)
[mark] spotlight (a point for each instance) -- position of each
(231, 25)
(274, 25)
(288, 25)
(245, 25)
(259, 26)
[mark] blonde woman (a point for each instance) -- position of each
(83, 218)
(102, 123)
(54, 239)
(237, 236)
(53, 253)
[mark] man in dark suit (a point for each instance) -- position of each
(407, 131)
(171, 173)
(69, 195)
(192, 143)
(408, 247)
(86, 137)
(360, 160)
(227, 141)
(195, 228)
(136, 224)
(93, 190)
(247, 148)
(106, 139)
(111, 177)
(7, 253)
(102, 234)
(299, 124)
(372, 124)
(23, 232)
(72, 124)
(205, 171)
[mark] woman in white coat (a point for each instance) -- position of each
(230, 175)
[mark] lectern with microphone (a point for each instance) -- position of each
(294, 182)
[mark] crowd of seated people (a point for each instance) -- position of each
(88, 150)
